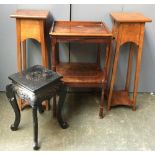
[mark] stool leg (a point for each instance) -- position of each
(35, 128)
(62, 96)
(102, 103)
(54, 107)
(40, 108)
(12, 99)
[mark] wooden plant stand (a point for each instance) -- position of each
(127, 27)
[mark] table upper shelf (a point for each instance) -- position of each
(80, 28)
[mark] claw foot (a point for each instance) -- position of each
(36, 147)
(65, 125)
(13, 128)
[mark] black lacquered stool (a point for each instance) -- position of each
(35, 85)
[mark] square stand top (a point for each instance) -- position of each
(33, 14)
(35, 78)
(79, 28)
(129, 17)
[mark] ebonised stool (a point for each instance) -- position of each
(35, 85)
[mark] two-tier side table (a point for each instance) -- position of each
(30, 24)
(82, 74)
(127, 27)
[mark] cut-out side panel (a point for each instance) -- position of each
(33, 32)
(130, 32)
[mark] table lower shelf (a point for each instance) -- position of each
(81, 74)
(121, 97)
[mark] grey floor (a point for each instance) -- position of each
(121, 128)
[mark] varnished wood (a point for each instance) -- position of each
(107, 63)
(54, 59)
(30, 33)
(127, 27)
(84, 39)
(24, 55)
(138, 63)
(82, 74)
(129, 17)
(43, 44)
(121, 97)
(18, 34)
(31, 14)
(79, 28)
(98, 55)
(30, 24)
(114, 68)
(131, 53)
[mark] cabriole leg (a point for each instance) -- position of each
(62, 96)
(12, 99)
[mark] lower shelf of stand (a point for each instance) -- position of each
(81, 74)
(121, 97)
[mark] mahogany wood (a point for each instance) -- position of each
(79, 28)
(82, 74)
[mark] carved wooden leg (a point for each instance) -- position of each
(40, 108)
(35, 128)
(101, 115)
(54, 107)
(12, 99)
(62, 96)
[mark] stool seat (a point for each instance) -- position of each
(35, 78)
(35, 85)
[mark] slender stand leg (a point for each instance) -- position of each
(12, 99)
(113, 74)
(107, 66)
(109, 58)
(131, 53)
(19, 54)
(138, 62)
(98, 56)
(24, 54)
(35, 128)
(44, 53)
(101, 115)
(43, 48)
(62, 96)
